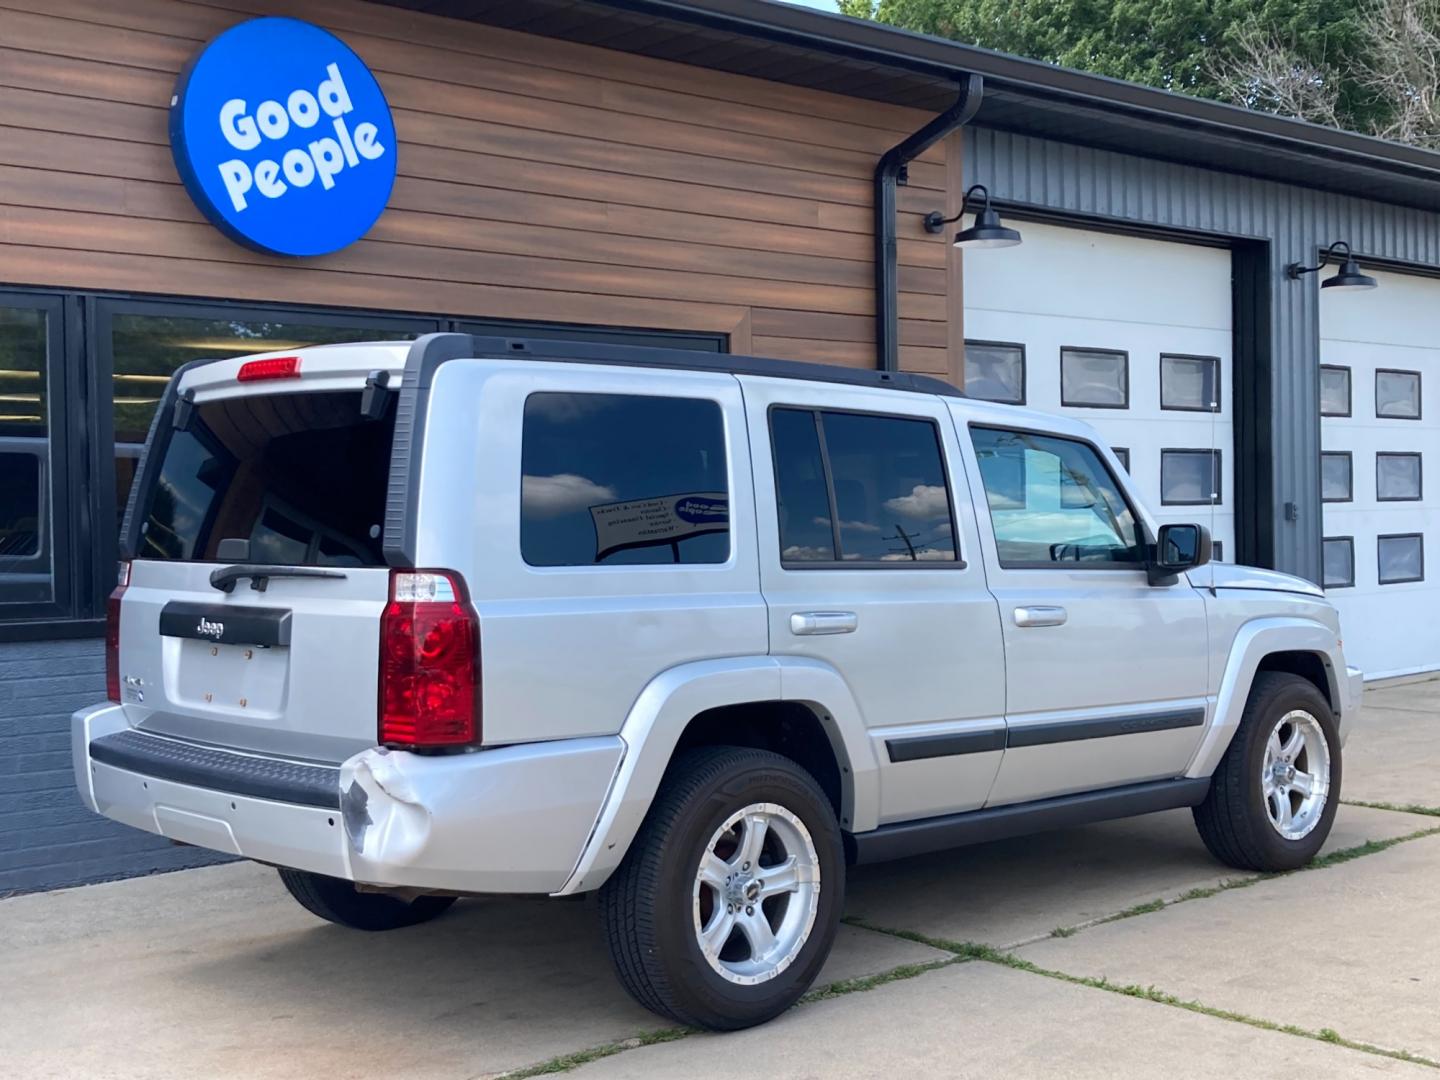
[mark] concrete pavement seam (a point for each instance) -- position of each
(1398, 808)
(989, 954)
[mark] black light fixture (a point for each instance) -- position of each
(1347, 277)
(984, 232)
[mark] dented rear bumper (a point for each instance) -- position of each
(508, 820)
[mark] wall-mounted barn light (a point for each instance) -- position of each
(984, 232)
(1347, 277)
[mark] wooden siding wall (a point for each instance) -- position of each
(538, 180)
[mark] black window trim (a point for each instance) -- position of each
(1217, 498)
(1419, 393)
(1349, 389)
(1349, 457)
(1349, 540)
(1143, 540)
(1420, 470)
(1124, 355)
(1024, 367)
(1219, 393)
(1122, 455)
(1399, 536)
(841, 563)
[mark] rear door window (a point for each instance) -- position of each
(301, 476)
(623, 479)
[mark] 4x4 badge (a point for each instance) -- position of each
(206, 628)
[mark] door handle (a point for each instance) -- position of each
(823, 622)
(1040, 616)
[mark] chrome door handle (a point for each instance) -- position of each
(823, 622)
(1040, 616)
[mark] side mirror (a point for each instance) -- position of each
(1178, 548)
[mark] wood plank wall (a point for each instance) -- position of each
(538, 180)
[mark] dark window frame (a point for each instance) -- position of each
(1024, 368)
(1122, 455)
(1349, 389)
(1420, 471)
(1143, 540)
(1218, 498)
(841, 563)
(1379, 578)
(1217, 550)
(1349, 457)
(1124, 355)
(1350, 540)
(1214, 361)
(1419, 393)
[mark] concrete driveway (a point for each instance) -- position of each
(1113, 950)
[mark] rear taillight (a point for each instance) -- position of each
(276, 367)
(112, 633)
(429, 662)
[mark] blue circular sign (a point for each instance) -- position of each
(283, 138)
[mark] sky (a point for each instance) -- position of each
(823, 5)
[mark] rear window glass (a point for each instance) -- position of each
(301, 476)
(614, 479)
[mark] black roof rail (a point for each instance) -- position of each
(432, 350)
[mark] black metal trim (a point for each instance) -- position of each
(1350, 542)
(1253, 364)
(1217, 497)
(889, 174)
(1024, 368)
(1349, 389)
(277, 779)
(1124, 355)
(907, 838)
(1379, 578)
(226, 624)
(1420, 468)
(1419, 395)
(1349, 457)
(949, 744)
(1062, 731)
(1214, 361)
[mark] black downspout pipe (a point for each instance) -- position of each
(889, 174)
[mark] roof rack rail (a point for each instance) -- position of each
(432, 350)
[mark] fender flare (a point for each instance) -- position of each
(1253, 642)
(665, 708)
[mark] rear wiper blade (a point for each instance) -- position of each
(225, 577)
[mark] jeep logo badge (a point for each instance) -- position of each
(206, 628)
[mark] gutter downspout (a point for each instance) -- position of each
(890, 172)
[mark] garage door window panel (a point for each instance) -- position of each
(1123, 454)
(1053, 503)
(1398, 477)
(1190, 383)
(1339, 562)
(1397, 394)
(1401, 558)
(1189, 477)
(1337, 476)
(995, 371)
(1094, 378)
(1334, 390)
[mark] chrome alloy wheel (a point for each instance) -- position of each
(1295, 776)
(757, 891)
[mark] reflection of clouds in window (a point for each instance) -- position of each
(924, 501)
(857, 526)
(566, 408)
(807, 553)
(564, 493)
(928, 554)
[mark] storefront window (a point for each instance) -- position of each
(26, 568)
(147, 348)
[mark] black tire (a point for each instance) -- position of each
(339, 902)
(648, 905)
(1234, 820)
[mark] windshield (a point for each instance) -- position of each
(301, 476)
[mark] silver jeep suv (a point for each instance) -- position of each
(414, 622)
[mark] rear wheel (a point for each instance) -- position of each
(338, 901)
(1273, 798)
(726, 906)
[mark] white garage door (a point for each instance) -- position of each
(1380, 365)
(1131, 335)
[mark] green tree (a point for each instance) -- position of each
(1182, 45)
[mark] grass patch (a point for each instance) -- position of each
(870, 982)
(566, 1062)
(1399, 808)
(969, 950)
(1065, 931)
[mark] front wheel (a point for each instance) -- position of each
(728, 902)
(1273, 797)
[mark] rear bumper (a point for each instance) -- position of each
(509, 820)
